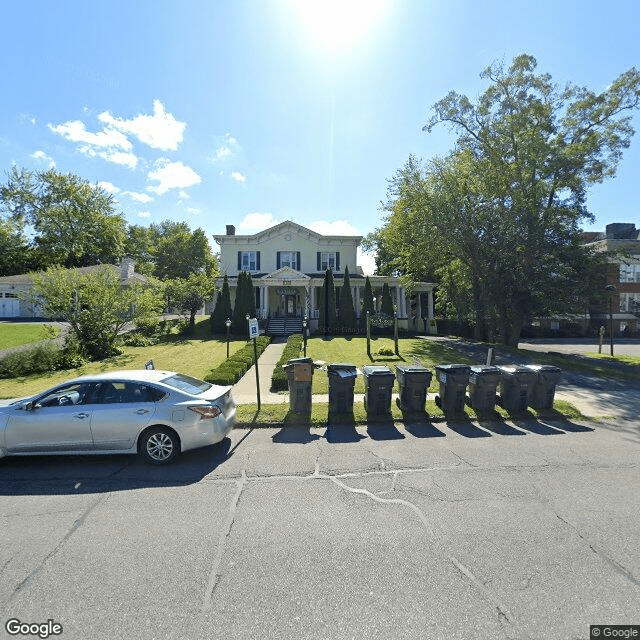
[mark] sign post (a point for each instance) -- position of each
(253, 333)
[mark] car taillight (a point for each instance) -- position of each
(206, 412)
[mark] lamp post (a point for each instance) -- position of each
(304, 334)
(611, 289)
(228, 325)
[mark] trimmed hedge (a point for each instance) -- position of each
(231, 370)
(279, 380)
(38, 359)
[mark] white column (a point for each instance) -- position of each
(430, 299)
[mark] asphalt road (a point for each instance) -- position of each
(519, 530)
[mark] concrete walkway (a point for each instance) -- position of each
(245, 392)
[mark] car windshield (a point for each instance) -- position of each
(187, 383)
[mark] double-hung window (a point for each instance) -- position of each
(248, 260)
(328, 260)
(288, 259)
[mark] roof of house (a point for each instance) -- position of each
(27, 278)
(287, 224)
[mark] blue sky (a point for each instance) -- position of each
(251, 112)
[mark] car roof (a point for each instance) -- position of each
(139, 375)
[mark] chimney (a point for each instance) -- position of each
(621, 231)
(126, 268)
(231, 230)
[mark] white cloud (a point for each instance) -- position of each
(257, 222)
(159, 131)
(336, 228)
(143, 214)
(193, 211)
(183, 195)
(76, 131)
(109, 144)
(228, 148)
(117, 157)
(367, 262)
(172, 175)
(238, 177)
(109, 187)
(42, 156)
(139, 197)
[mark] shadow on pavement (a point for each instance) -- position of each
(384, 430)
(342, 430)
(420, 427)
(65, 475)
(464, 427)
(292, 434)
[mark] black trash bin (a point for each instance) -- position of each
(378, 386)
(413, 380)
(483, 382)
(515, 384)
(299, 375)
(342, 379)
(543, 390)
(452, 379)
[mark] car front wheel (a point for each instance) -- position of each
(159, 446)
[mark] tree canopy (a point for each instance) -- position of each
(74, 223)
(497, 221)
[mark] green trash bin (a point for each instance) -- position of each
(483, 383)
(378, 386)
(342, 379)
(452, 379)
(413, 380)
(542, 392)
(299, 376)
(515, 384)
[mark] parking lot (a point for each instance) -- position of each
(459, 530)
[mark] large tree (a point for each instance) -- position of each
(180, 251)
(328, 303)
(95, 304)
(503, 211)
(189, 294)
(74, 222)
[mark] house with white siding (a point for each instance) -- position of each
(287, 263)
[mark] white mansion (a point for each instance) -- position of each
(287, 264)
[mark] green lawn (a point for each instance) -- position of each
(271, 415)
(354, 351)
(621, 358)
(195, 356)
(13, 334)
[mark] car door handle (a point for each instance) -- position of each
(82, 415)
(142, 411)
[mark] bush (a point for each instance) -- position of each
(135, 339)
(231, 370)
(385, 351)
(279, 381)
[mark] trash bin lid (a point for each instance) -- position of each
(550, 368)
(453, 368)
(412, 368)
(300, 361)
(376, 370)
(517, 371)
(342, 369)
(484, 369)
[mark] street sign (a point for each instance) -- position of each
(253, 328)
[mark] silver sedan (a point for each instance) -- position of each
(156, 414)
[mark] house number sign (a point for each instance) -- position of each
(286, 291)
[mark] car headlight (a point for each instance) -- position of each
(206, 412)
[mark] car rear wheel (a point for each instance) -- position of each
(159, 446)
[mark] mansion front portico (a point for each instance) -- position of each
(287, 264)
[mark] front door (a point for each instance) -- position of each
(290, 305)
